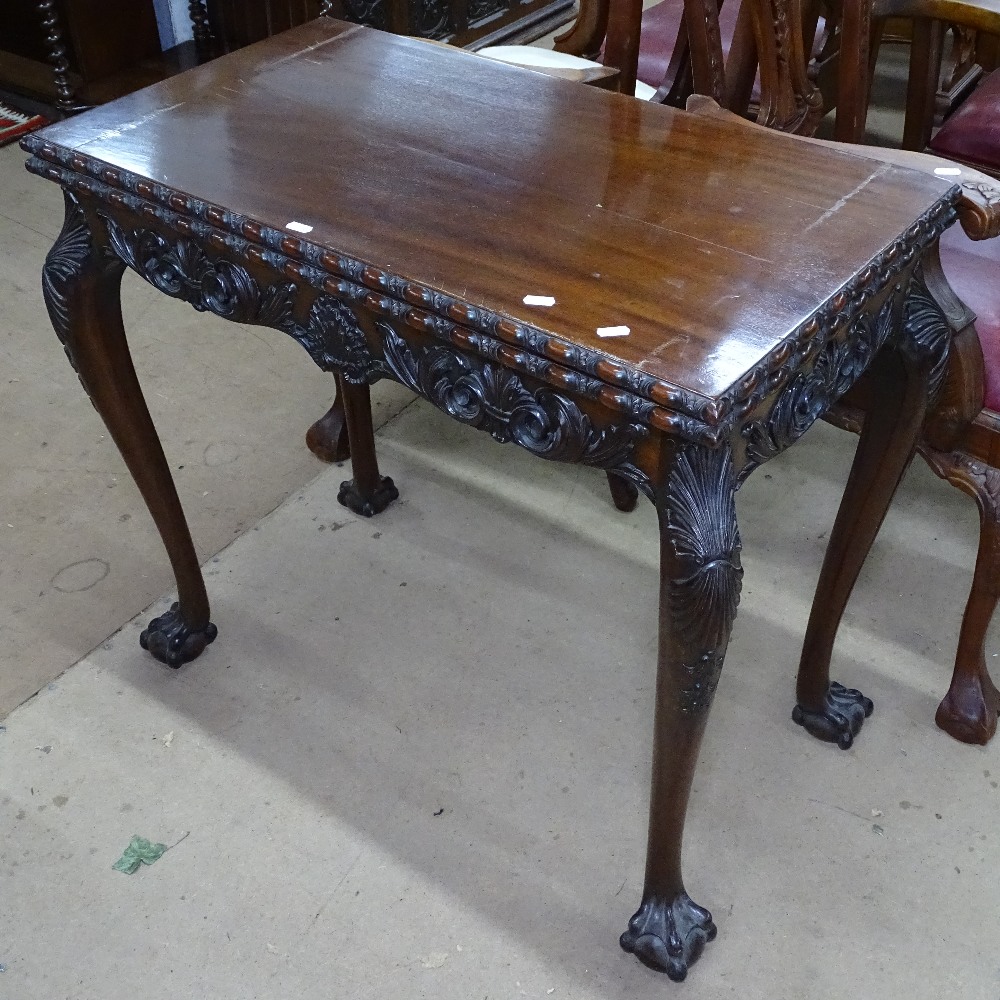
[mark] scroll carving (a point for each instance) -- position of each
(479, 10)
(374, 13)
(494, 399)
(331, 334)
(979, 209)
(700, 518)
(430, 18)
(810, 394)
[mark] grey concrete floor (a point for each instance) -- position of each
(415, 762)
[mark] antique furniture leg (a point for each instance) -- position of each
(624, 493)
(968, 711)
(900, 380)
(700, 577)
(327, 438)
(368, 493)
(81, 289)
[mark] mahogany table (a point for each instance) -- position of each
(394, 206)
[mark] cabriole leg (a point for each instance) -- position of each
(327, 438)
(833, 712)
(81, 289)
(700, 577)
(368, 493)
(969, 709)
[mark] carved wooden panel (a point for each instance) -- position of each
(236, 23)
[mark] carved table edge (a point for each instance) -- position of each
(661, 404)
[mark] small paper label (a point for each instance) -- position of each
(613, 331)
(539, 300)
(947, 171)
(298, 227)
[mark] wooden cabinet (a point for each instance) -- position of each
(470, 23)
(77, 51)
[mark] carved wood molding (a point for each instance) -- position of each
(811, 394)
(492, 398)
(542, 355)
(979, 209)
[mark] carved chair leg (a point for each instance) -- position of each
(81, 289)
(700, 577)
(969, 709)
(624, 494)
(368, 493)
(327, 439)
(899, 402)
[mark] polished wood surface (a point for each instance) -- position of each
(506, 184)
(760, 278)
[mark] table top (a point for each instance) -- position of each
(713, 243)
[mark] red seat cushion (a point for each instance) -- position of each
(972, 133)
(972, 268)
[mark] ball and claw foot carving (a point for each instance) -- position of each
(351, 497)
(669, 935)
(841, 718)
(172, 641)
(969, 710)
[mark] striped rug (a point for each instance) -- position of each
(14, 123)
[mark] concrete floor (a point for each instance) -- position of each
(415, 762)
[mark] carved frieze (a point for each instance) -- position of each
(331, 333)
(811, 393)
(494, 399)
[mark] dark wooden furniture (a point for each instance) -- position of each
(469, 23)
(961, 437)
(758, 277)
(70, 53)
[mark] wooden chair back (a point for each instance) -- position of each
(769, 41)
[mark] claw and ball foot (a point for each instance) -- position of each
(840, 719)
(368, 504)
(669, 935)
(172, 641)
(968, 712)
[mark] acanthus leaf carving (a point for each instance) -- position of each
(331, 334)
(489, 397)
(63, 263)
(926, 332)
(811, 393)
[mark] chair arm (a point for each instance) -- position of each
(978, 208)
(979, 15)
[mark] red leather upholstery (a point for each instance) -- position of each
(660, 24)
(972, 133)
(973, 269)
